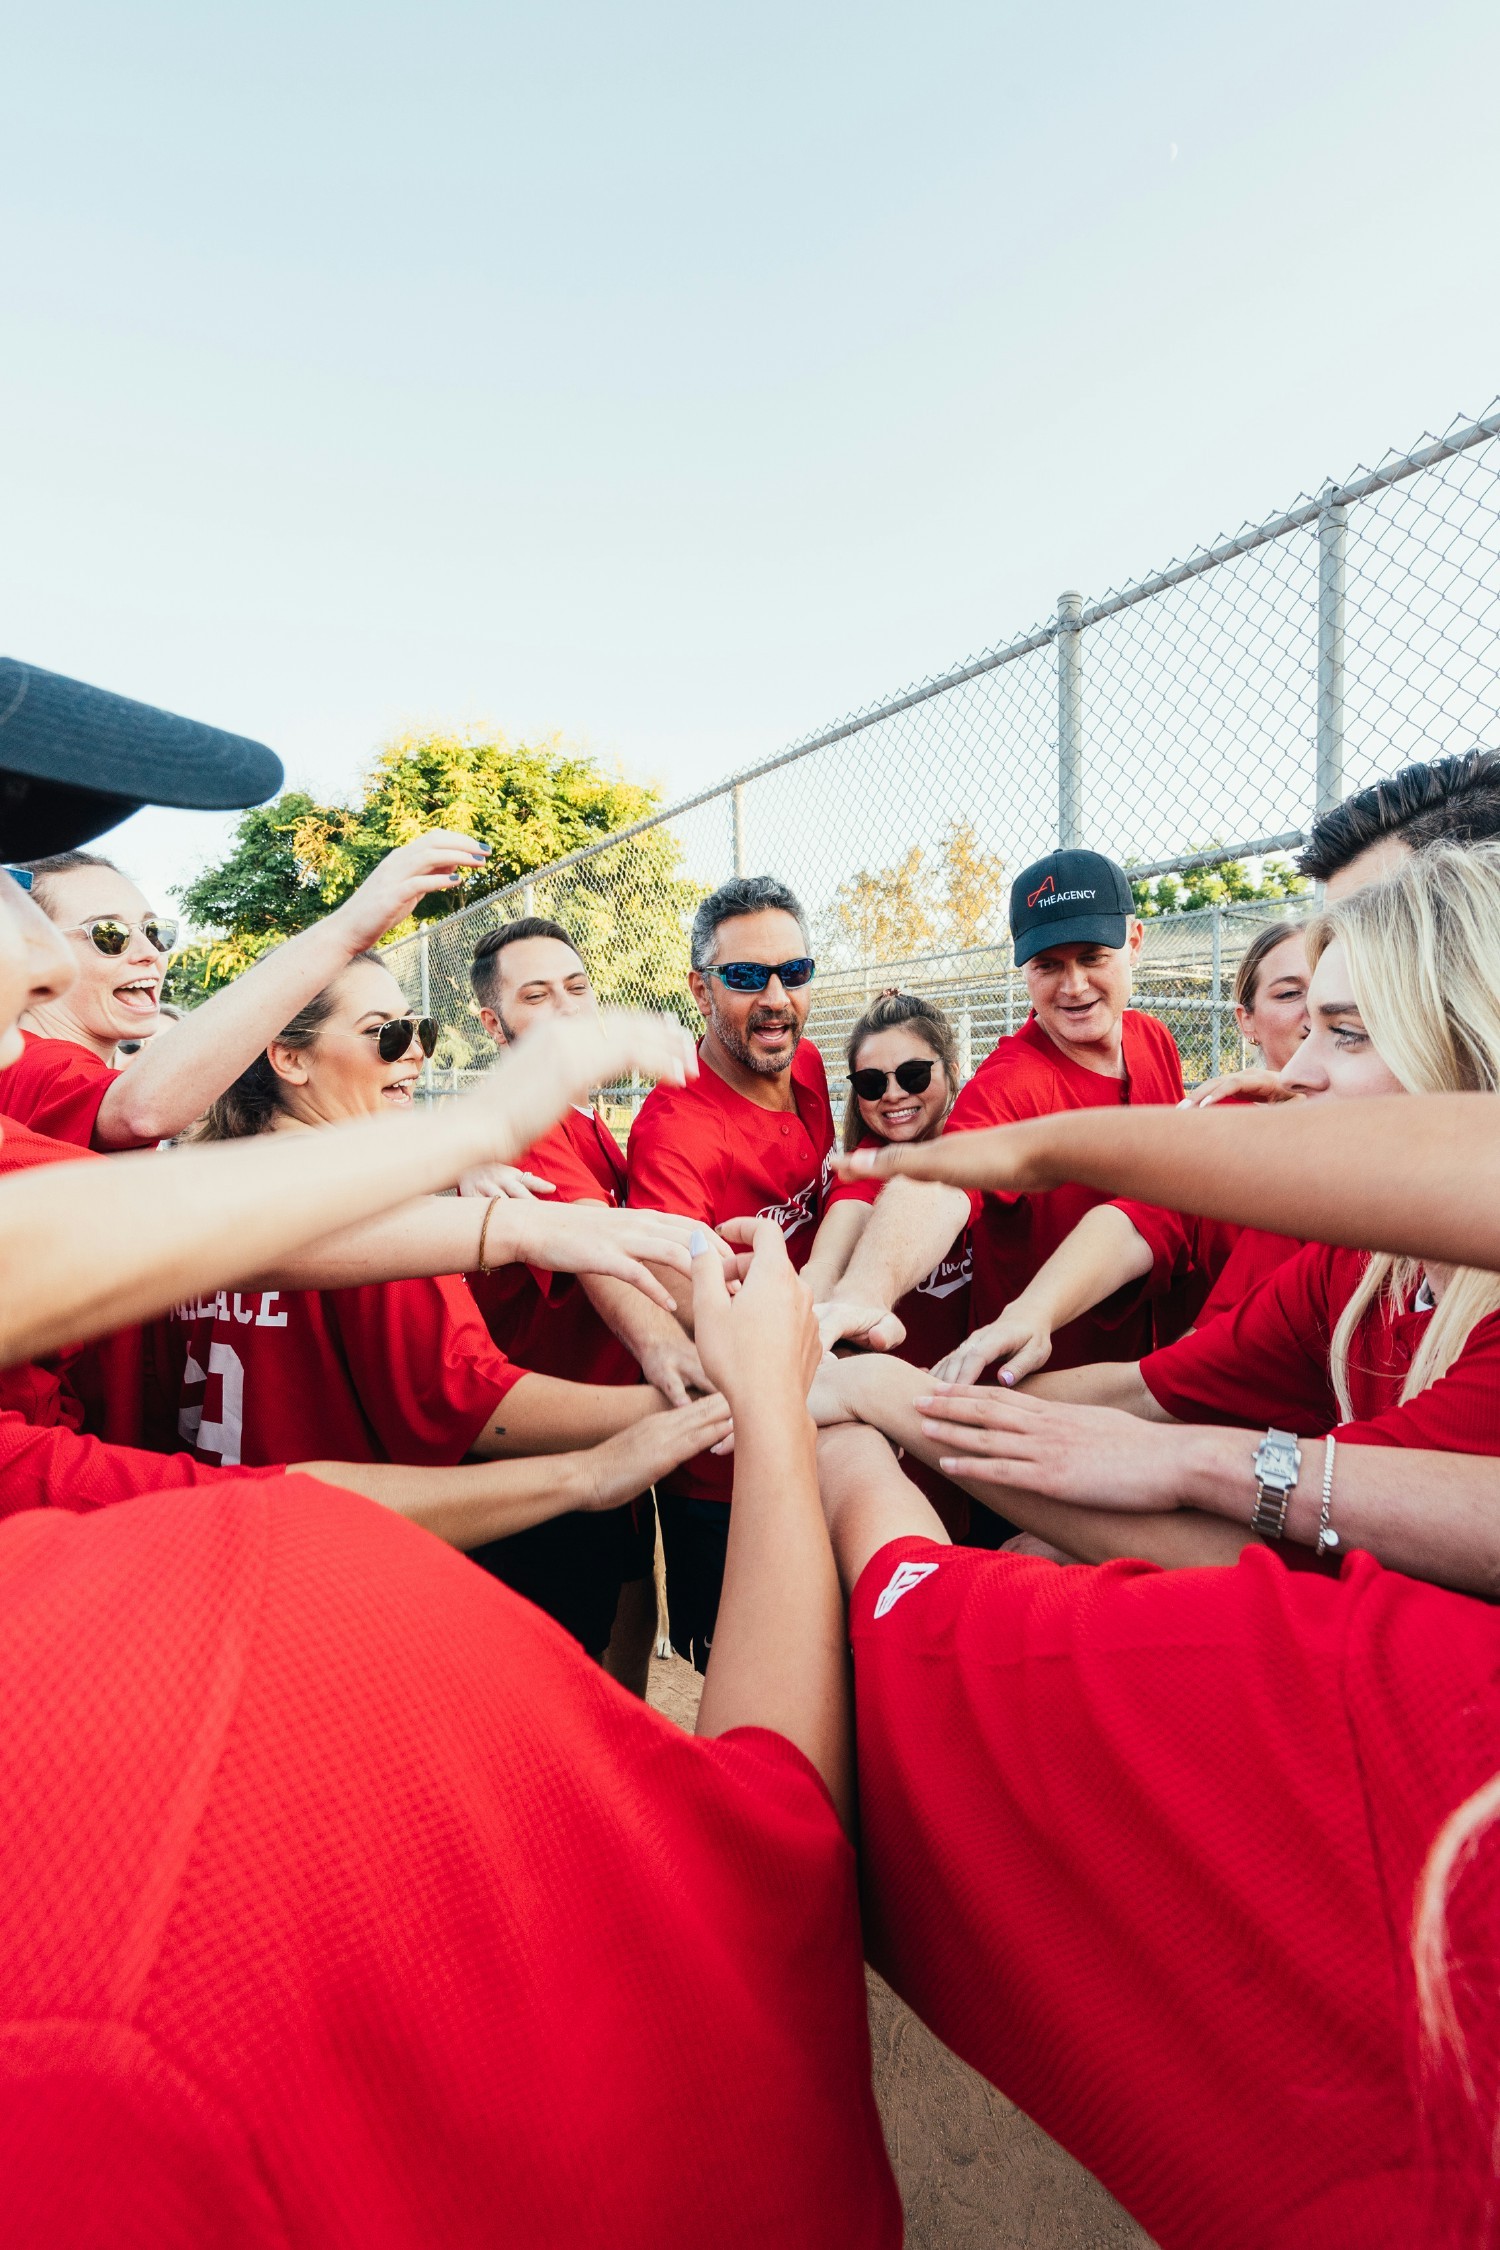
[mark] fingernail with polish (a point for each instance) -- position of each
(1007, 1378)
(697, 1243)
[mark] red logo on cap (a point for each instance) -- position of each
(1049, 885)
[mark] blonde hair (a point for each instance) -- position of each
(1424, 964)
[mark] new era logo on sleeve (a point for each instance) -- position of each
(903, 1578)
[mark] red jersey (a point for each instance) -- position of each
(1142, 1845)
(394, 1371)
(57, 1087)
(1225, 1261)
(935, 1314)
(544, 1321)
(1265, 1362)
(57, 1466)
(344, 1897)
(1029, 1075)
(706, 1152)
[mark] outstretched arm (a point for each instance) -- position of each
(486, 1500)
(911, 1230)
(91, 1246)
(172, 1081)
(779, 1657)
(1415, 1174)
(1101, 1255)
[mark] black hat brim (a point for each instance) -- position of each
(1080, 929)
(91, 757)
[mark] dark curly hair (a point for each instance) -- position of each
(1452, 800)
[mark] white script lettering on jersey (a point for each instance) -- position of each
(955, 1272)
(794, 1214)
(902, 1579)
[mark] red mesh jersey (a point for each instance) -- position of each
(348, 1904)
(58, 1087)
(1142, 1847)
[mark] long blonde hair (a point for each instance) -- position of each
(1424, 963)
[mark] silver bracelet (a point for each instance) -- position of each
(1327, 1539)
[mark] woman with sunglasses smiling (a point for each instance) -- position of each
(66, 1084)
(400, 1371)
(903, 1077)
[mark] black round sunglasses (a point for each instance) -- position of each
(912, 1077)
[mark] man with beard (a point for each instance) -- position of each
(750, 1138)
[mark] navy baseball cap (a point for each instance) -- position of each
(75, 760)
(1069, 898)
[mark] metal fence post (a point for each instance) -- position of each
(965, 1046)
(737, 813)
(528, 898)
(1333, 546)
(1069, 720)
(1216, 1019)
(424, 971)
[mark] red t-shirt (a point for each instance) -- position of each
(706, 1152)
(394, 1371)
(544, 1321)
(1028, 1075)
(1265, 1362)
(56, 1087)
(1226, 1261)
(347, 1903)
(1141, 1846)
(58, 1466)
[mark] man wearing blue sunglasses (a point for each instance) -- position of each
(750, 1139)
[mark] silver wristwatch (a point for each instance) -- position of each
(1278, 1461)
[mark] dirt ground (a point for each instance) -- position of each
(975, 2173)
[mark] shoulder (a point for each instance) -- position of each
(1009, 1083)
(21, 1149)
(1150, 1036)
(808, 1069)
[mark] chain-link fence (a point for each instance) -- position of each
(1203, 714)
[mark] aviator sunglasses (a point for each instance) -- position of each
(111, 934)
(912, 1077)
(395, 1037)
(754, 976)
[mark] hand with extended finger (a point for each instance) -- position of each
(593, 1238)
(1240, 1086)
(635, 1459)
(1020, 1339)
(1093, 1456)
(1006, 1158)
(563, 1061)
(759, 1345)
(438, 861)
(489, 1180)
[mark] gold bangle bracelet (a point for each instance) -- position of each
(484, 1230)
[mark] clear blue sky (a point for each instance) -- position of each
(682, 376)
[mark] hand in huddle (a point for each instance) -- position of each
(634, 1459)
(1021, 1340)
(870, 1325)
(759, 1343)
(1093, 1456)
(1242, 1086)
(490, 1180)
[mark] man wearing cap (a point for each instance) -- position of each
(1077, 938)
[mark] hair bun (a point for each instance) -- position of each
(891, 992)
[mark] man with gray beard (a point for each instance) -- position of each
(750, 1138)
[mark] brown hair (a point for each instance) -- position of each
(250, 1105)
(60, 863)
(1253, 959)
(892, 1010)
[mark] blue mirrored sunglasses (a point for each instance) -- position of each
(754, 976)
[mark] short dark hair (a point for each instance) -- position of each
(484, 968)
(1436, 801)
(742, 894)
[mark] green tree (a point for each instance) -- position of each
(884, 913)
(294, 860)
(973, 897)
(1223, 882)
